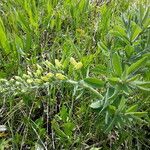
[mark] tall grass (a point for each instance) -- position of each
(74, 74)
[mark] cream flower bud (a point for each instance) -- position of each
(29, 81)
(49, 74)
(38, 72)
(47, 77)
(58, 63)
(39, 81)
(17, 83)
(25, 76)
(79, 65)
(73, 61)
(12, 80)
(60, 76)
(18, 78)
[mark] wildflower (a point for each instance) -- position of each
(29, 81)
(37, 73)
(25, 76)
(80, 31)
(78, 66)
(60, 76)
(58, 63)
(73, 61)
(38, 81)
(44, 78)
(47, 76)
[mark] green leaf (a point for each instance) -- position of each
(99, 69)
(134, 78)
(142, 83)
(136, 30)
(129, 49)
(122, 104)
(94, 148)
(146, 19)
(87, 60)
(63, 113)
(111, 124)
(132, 108)
(112, 109)
(121, 30)
(115, 94)
(3, 37)
(139, 114)
(143, 88)
(116, 61)
(118, 35)
(136, 65)
(58, 130)
(68, 128)
(94, 82)
(114, 80)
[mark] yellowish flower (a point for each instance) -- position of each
(78, 66)
(73, 61)
(38, 81)
(58, 63)
(47, 76)
(81, 31)
(37, 73)
(12, 80)
(60, 76)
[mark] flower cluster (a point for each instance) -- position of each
(77, 65)
(41, 75)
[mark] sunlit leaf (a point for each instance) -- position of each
(94, 82)
(136, 65)
(116, 61)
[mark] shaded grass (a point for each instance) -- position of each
(57, 115)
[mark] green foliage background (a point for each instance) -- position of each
(74, 74)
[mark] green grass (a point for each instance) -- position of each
(74, 74)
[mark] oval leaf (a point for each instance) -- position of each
(132, 108)
(94, 82)
(138, 114)
(136, 65)
(116, 61)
